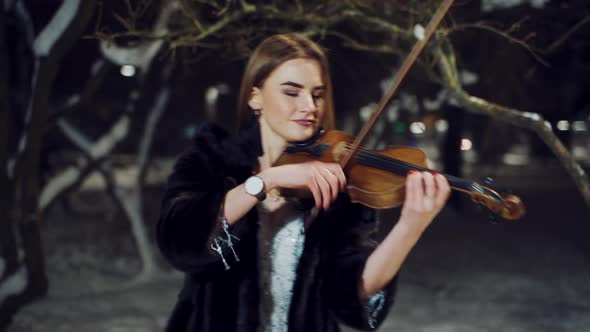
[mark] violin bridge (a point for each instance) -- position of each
(339, 151)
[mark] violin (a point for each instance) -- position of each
(377, 178)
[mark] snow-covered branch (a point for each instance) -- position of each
(56, 27)
(75, 136)
(14, 284)
(73, 175)
(98, 72)
(26, 21)
(142, 55)
(491, 5)
(149, 131)
(66, 25)
(532, 121)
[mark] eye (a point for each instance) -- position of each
(318, 96)
(291, 93)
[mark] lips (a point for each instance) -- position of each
(304, 122)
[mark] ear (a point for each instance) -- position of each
(255, 100)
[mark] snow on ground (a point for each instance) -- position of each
(465, 274)
(90, 260)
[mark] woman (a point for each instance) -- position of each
(256, 261)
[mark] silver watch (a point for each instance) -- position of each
(255, 186)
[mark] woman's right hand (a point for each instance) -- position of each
(323, 180)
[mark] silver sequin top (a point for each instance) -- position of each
(281, 238)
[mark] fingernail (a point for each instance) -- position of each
(435, 173)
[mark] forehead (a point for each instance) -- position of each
(306, 72)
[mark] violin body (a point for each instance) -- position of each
(377, 178)
(371, 186)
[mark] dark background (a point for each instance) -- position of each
(466, 274)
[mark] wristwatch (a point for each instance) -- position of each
(255, 187)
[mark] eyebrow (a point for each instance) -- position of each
(299, 86)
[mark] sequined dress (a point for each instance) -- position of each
(281, 241)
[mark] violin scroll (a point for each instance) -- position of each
(509, 207)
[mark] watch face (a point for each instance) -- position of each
(254, 185)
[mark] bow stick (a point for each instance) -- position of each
(406, 65)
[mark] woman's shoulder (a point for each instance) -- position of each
(210, 135)
(215, 146)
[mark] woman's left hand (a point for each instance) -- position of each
(426, 195)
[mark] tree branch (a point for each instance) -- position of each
(65, 15)
(504, 34)
(141, 56)
(72, 176)
(567, 35)
(148, 134)
(532, 121)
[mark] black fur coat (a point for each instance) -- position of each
(326, 288)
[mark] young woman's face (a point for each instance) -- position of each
(292, 99)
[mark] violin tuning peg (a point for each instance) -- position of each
(496, 219)
(488, 180)
(493, 218)
(505, 193)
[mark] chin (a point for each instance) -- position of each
(301, 135)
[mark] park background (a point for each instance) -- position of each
(97, 98)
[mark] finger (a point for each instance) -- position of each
(429, 191)
(334, 184)
(324, 187)
(410, 192)
(337, 170)
(429, 184)
(315, 190)
(418, 189)
(444, 189)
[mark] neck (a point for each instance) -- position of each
(273, 145)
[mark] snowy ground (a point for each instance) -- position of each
(465, 274)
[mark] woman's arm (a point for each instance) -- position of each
(191, 217)
(348, 239)
(323, 180)
(237, 203)
(197, 200)
(425, 197)
(359, 279)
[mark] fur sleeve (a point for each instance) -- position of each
(351, 228)
(190, 210)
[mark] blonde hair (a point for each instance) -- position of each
(273, 52)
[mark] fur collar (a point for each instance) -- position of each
(240, 149)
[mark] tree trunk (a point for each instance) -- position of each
(8, 251)
(50, 47)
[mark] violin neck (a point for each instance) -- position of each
(400, 167)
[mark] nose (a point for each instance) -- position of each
(308, 103)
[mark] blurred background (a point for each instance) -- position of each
(98, 98)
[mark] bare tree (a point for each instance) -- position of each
(372, 26)
(97, 153)
(232, 27)
(23, 278)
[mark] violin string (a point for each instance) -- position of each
(387, 160)
(385, 163)
(380, 161)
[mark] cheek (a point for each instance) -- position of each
(321, 111)
(282, 109)
(321, 114)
